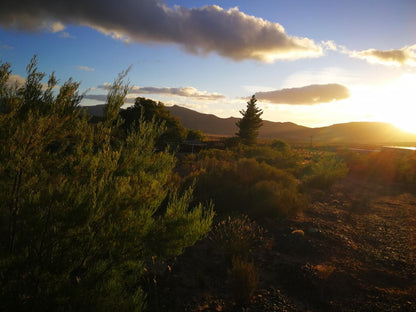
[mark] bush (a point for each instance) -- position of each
(78, 202)
(243, 278)
(281, 158)
(325, 172)
(195, 135)
(231, 186)
(271, 200)
(281, 146)
(239, 237)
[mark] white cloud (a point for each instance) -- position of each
(16, 80)
(65, 34)
(19, 81)
(329, 45)
(6, 47)
(85, 68)
(56, 27)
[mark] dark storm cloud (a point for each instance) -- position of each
(230, 33)
(308, 95)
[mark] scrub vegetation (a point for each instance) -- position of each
(116, 213)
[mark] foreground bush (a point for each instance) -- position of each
(270, 199)
(80, 205)
(325, 172)
(248, 186)
(239, 237)
(243, 278)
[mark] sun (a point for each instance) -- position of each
(396, 103)
(406, 122)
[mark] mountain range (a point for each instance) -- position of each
(345, 133)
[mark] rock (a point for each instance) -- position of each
(298, 233)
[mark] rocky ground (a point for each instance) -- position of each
(353, 249)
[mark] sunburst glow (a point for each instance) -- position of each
(398, 103)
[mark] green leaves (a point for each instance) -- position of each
(78, 201)
(250, 123)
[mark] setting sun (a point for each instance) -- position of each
(396, 103)
(177, 155)
(305, 65)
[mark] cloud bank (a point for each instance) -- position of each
(229, 33)
(403, 56)
(188, 92)
(308, 95)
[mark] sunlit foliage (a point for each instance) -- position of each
(81, 210)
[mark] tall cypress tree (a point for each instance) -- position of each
(250, 123)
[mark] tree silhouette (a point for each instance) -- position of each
(149, 110)
(250, 123)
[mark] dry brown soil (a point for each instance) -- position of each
(353, 249)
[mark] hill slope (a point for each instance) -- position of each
(353, 132)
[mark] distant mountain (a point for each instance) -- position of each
(346, 133)
(96, 110)
(353, 132)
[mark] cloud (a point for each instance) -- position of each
(329, 45)
(209, 29)
(6, 47)
(56, 27)
(96, 97)
(103, 98)
(403, 56)
(16, 80)
(65, 34)
(308, 95)
(189, 92)
(19, 81)
(85, 68)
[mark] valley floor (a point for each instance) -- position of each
(354, 249)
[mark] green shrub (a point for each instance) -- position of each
(270, 200)
(195, 135)
(232, 187)
(325, 172)
(283, 158)
(243, 278)
(79, 205)
(281, 146)
(239, 237)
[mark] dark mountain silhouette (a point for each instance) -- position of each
(346, 133)
(353, 132)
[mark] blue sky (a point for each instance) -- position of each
(314, 63)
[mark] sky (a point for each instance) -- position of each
(314, 63)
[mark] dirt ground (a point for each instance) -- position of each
(353, 249)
